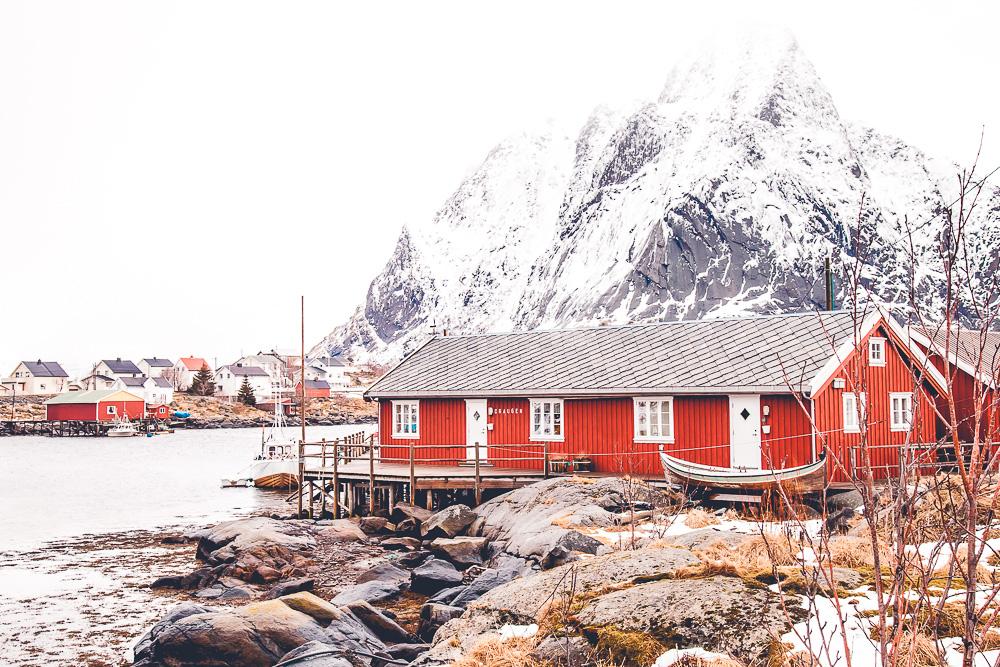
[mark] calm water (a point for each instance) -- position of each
(80, 528)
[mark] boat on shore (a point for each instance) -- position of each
(808, 478)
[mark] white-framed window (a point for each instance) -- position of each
(112, 410)
(876, 351)
(653, 419)
(406, 419)
(900, 411)
(547, 419)
(855, 411)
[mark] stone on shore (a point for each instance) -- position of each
(370, 591)
(385, 628)
(386, 572)
(342, 530)
(462, 551)
(222, 543)
(532, 520)
(258, 634)
(434, 575)
(374, 525)
(433, 616)
(449, 522)
(318, 654)
(289, 587)
(401, 543)
(403, 511)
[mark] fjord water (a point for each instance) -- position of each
(81, 528)
(55, 488)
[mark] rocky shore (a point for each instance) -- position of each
(568, 571)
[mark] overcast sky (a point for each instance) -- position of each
(174, 175)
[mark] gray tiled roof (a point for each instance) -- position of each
(750, 354)
(121, 366)
(45, 369)
(972, 345)
(157, 362)
(133, 382)
(317, 384)
(163, 382)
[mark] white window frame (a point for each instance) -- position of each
(411, 409)
(876, 343)
(538, 435)
(907, 398)
(636, 414)
(112, 409)
(858, 403)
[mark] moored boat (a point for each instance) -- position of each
(277, 465)
(122, 427)
(807, 478)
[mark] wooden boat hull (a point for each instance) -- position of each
(809, 478)
(281, 480)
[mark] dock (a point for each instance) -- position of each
(349, 476)
(71, 428)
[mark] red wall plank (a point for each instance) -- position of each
(441, 422)
(789, 444)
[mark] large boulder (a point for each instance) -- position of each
(532, 520)
(318, 654)
(719, 613)
(434, 575)
(257, 634)
(403, 511)
(370, 591)
(342, 530)
(506, 570)
(449, 522)
(462, 551)
(224, 542)
(433, 616)
(386, 572)
(705, 537)
(289, 587)
(381, 625)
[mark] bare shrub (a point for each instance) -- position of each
(699, 518)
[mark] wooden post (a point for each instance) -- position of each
(301, 480)
(413, 478)
(322, 483)
(312, 494)
(429, 499)
(545, 460)
(371, 477)
(336, 480)
(479, 495)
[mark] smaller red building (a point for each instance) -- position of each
(973, 367)
(95, 406)
(160, 412)
(314, 389)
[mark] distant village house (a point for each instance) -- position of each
(184, 371)
(229, 379)
(34, 378)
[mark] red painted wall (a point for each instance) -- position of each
(877, 382)
(441, 422)
(967, 395)
(70, 412)
(789, 443)
(134, 410)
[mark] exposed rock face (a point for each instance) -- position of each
(721, 197)
(523, 521)
(719, 613)
(434, 575)
(462, 551)
(258, 634)
(449, 522)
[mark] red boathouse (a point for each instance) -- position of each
(974, 367)
(752, 393)
(101, 406)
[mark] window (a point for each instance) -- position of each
(112, 410)
(405, 419)
(901, 409)
(547, 419)
(654, 419)
(876, 351)
(855, 412)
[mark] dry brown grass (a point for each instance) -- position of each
(496, 652)
(627, 648)
(699, 518)
(916, 650)
(690, 661)
(756, 553)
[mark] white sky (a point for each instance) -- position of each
(174, 175)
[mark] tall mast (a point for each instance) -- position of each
(302, 366)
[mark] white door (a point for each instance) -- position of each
(744, 431)
(475, 428)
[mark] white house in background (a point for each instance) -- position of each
(155, 391)
(271, 363)
(98, 382)
(117, 368)
(37, 378)
(155, 367)
(332, 369)
(229, 379)
(184, 371)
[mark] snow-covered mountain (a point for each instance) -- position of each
(721, 197)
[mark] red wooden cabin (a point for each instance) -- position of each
(314, 389)
(974, 368)
(767, 392)
(101, 406)
(160, 412)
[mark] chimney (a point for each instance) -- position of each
(828, 275)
